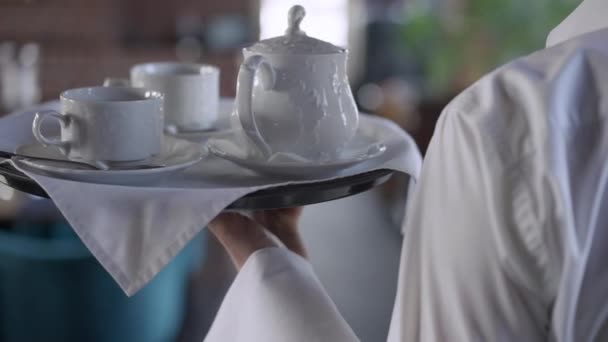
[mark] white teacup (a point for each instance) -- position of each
(191, 92)
(106, 124)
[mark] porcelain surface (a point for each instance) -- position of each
(106, 124)
(362, 148)
(220, 126)
(175, 154)
(191, 92)
(293, 96)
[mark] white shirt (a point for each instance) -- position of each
(506, 235)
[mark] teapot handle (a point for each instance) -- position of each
(244, 96)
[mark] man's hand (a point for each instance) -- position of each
(242, 236)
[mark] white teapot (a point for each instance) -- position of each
(293, 95)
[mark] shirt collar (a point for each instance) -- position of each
(589, 16)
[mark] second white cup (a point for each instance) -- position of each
(191, 92)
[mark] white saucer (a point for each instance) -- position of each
(176, 154)
(361, 149)
(221, 126)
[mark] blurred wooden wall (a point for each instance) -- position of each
(84, 41)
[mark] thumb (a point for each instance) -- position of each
(283, 223)
(240, 236)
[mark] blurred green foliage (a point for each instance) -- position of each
(457, 41)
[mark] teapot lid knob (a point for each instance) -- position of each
(295, 41)
(294, 18)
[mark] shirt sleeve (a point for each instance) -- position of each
(470, 267)
(276, 296)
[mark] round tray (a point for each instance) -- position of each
(273, 198)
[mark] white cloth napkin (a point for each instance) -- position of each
(134, 231)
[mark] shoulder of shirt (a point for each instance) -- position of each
(538, 69)
(527, 98)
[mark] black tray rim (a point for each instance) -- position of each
(284, 196)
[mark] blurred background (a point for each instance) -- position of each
(408, 58)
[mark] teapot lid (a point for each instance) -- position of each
(295, 41)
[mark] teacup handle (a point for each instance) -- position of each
(244, 96)
(64, 121)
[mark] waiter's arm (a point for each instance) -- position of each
(276, 295)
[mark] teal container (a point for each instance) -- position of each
(52, 289)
